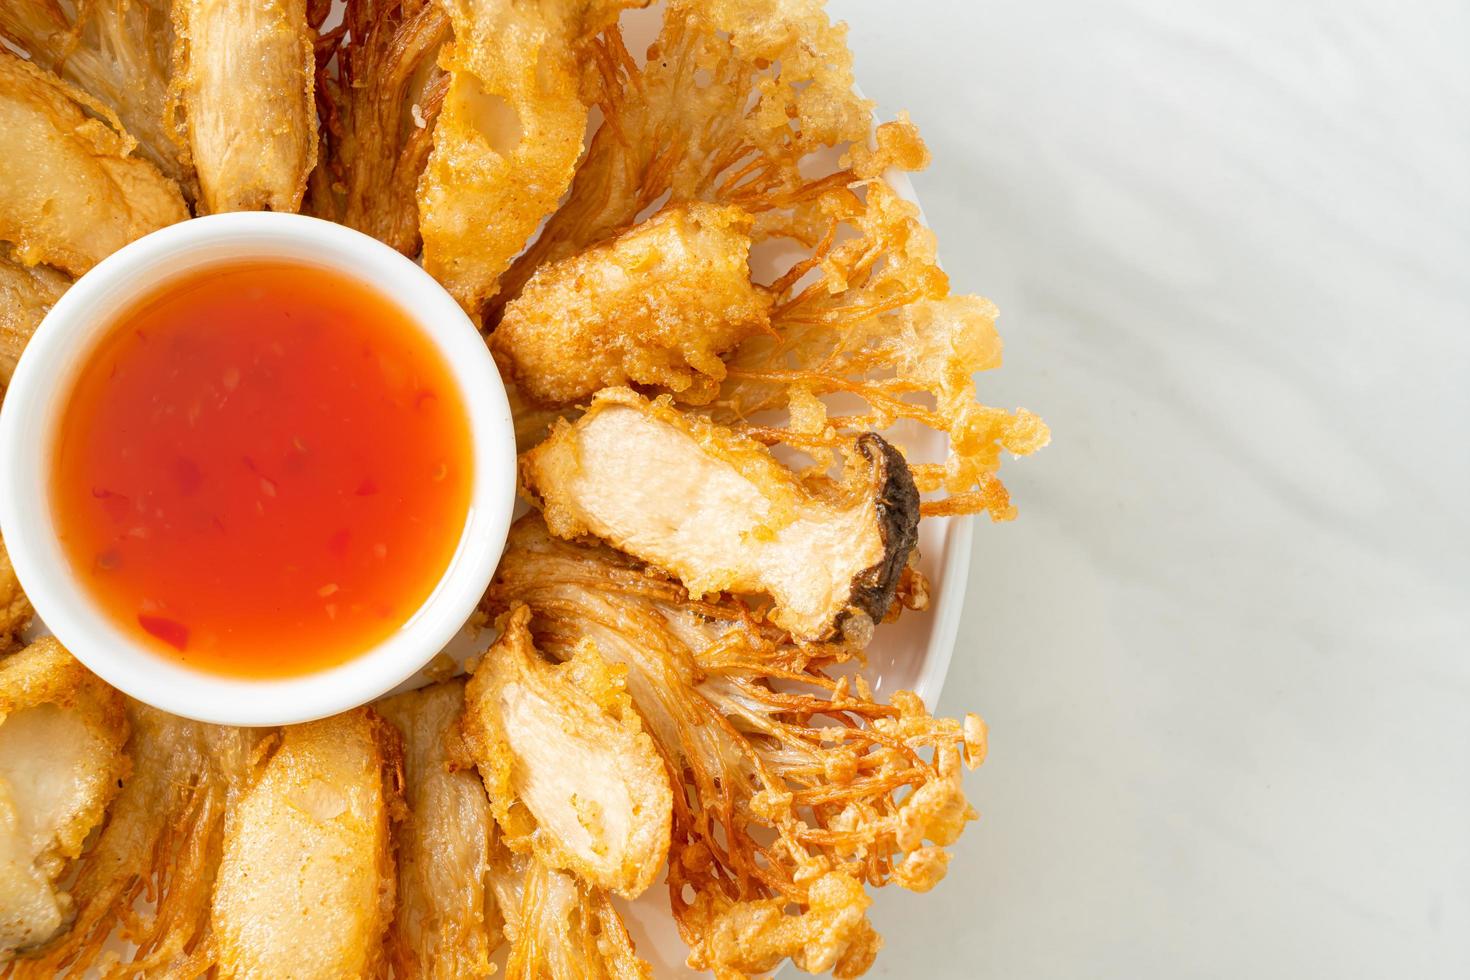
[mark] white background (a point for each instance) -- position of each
(1225, 650)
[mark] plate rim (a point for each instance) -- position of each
(958, 533)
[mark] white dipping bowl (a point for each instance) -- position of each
(45, 377)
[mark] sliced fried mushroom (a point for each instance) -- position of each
(61, 762)
(508, 135)
(733, 106)
(793, 788)
(559, 928)
(306, 884)
(657, 305)
(26, 296)
(71, 193)
(162, 838)
(116, 52)
(716, 510)
(732, 109)
(565, 742)
(447, 924)
(244, 74)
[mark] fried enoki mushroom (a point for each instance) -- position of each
(380, 90)
(657, 305)
(61, 761)
(26, 296)
(734, 104)
(567, 765)
(306, 881)
(447, 922)
(160, 844)
(71, 193)
(559, 927)
(116, 51)
(718, 511)
(796, 787)
(734, 95)
(878, 325)
(508, 135)
(243, 75)
(775, 780)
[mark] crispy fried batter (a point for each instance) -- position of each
(657, 305)
(61, 761)
(532, 423)
(793, 787)
(306, 882)
(447, 924)
(26, 295)
(243, 74)
(15, 608)
(70, 194)
(734, 95)
(508, 135)
(117, 51)
(735, 100)
(831, 932)
(559, 928)
(716, 509)
(380, 100)
(695, 729)
(878, 324)
(162, 841)
(565, 743)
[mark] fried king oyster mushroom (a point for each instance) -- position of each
(716, 510)
(62, 732)
(306, 884)
(244, 74)
(563, 744)
(72, 191)
(656, 305)
(447, 923)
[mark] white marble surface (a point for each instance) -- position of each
(1225, 651)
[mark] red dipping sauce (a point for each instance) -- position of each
(264, 469)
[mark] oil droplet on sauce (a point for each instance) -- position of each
(241, 456)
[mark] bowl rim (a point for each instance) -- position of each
(44, 377)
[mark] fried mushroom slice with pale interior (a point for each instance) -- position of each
(71, 193)
(732, 101)
(735, 104)
(447, 923)
(719, 512)
(564, 742)
(244, 76)
(26, 296)
(61, 762)
(508, 135)
(116, 51)
(656, 305)
(161, 843)
(306, 883)
(793, 787)
(559, 928)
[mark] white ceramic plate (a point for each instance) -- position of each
(912, 654)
